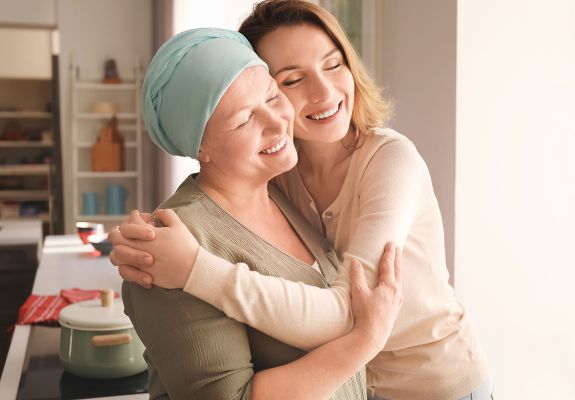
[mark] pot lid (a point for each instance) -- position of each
(91, 315)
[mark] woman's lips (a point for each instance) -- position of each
(276, 148)
(327, 114)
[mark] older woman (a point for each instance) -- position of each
(208, 96)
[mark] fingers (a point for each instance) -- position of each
(149, 218)
(135, 218)
(397, 265)
(122, 254)
(131, 274)
(168, 217)
(116, 237)
(357, 278)
(387, 264)
(138, 232)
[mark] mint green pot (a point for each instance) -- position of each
(99, 342)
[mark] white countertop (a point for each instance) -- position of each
(66, 263)
(20, 231)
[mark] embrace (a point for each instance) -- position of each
(306, 259)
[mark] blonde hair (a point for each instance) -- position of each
(370, 110)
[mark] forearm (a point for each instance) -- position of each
(259, 301)
(319, 373)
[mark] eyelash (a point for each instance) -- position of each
(250, 117)
(290, 83)
(244, 123)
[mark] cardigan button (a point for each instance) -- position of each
(328, 215)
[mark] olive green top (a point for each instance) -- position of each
(193, 350)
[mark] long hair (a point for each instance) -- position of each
(370, 110)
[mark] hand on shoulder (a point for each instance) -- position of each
(148, 254)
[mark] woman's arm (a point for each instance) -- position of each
(196, 352)
(324, 368)
(390, 193)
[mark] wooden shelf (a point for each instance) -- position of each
(100, 116)
(119, 174)
(105, 86)
(41, 217)
(100, 218)
(26, 169)
(24, 195)
(26, 114)
(24, 144)
(86, 94)
(87, 145)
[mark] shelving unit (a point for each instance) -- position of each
(85, 130)
(29, 163)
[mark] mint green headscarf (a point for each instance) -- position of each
(185, 81)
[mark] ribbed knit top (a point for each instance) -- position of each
(193, 350)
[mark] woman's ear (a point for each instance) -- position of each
(203, 156)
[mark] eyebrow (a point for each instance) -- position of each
(292, 67)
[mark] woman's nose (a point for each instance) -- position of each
(320, 88)
(275, 121)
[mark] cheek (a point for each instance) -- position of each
(349, 84)
(295, 100)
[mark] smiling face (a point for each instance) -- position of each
(250, 133)
(310, 69)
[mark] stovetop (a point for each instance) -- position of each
(44, 377)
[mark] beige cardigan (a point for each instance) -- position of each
(387, 195)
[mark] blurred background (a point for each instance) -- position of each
(486, 90)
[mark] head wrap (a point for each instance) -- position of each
(185, 81)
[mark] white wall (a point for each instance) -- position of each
(415, 64)
(28, 12)
(515, 190)
(187, 15)
(35, 62)
(94, 31)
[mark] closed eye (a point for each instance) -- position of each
(272, 98)
(292, 82)
(244, 123)
(336, 66)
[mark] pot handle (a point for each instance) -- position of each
(111, 340)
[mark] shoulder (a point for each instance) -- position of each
(388, 141)
(190, 203)
(188, 194)
(387, 155)
(386, 148)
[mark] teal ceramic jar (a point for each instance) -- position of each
(98, 340)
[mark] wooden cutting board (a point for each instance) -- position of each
(108, 151)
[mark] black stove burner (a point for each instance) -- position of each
(45, 379)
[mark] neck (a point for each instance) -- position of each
(321, 159)
(236, 196)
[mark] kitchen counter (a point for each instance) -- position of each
(65, 263)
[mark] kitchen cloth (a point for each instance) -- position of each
(38, 309)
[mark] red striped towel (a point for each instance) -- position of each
(45, 309)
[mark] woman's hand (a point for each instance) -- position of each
(375, 310)
(146, 254)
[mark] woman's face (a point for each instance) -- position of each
(250, 133)
(309, 68)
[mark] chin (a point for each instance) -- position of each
(319, 138)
